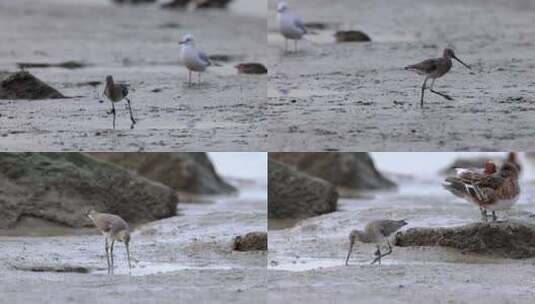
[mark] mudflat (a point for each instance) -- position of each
(138, 45)
(358, 97)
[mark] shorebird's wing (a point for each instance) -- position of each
(204, 58)
(300, 25)
(124, 89)
(424, 67)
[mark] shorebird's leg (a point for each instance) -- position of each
(199, 78)
(377, 255)
(112, 112)
(423, 89)
(131, 113)
(128, 255)
(107, 254)
(189, 78)
(389, 248)
(285, 45)
(438, 93)
(295, 46)
(494, 217)
(484, 215)
(111, 255)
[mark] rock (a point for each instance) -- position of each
(23, 85)
(251, 241)
(349, 172)
(212, 3)
(52, 268)
(94, 83)
(251, 68)
(58, 187)
(187, 172)
(351, 36)
(197, 3)
(293, 194)
(317, 25)
(133, 1)
(502, 239)
(176, 4)
(65, 65)
(221, 57)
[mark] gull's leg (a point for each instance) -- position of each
(438, 93)
(111, 255)
(494, 217)
(107, 254)
(131, 113)
(423, 89)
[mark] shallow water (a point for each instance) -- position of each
(322, 241)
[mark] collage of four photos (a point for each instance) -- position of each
(267, 151)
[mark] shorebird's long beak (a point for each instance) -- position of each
(181, 42)
(350, 250)
(466, 65)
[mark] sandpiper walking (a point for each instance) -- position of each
(115, 93)
(435, 68)
(114, 228)
(290, 26)
(194, 59)
(375, 232)
(497, 191)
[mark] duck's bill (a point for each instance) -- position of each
(466, 65)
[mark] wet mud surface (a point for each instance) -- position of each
(356, 96)
(306, 258)
(137, 46)
(184, 258)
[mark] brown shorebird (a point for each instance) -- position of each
(375, 232)
(194, 59)
(471, 174)
(435, 68)
(290, 26)
(114, 229)
(115, 93)
(497, 191)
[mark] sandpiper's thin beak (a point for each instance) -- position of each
(466, 65)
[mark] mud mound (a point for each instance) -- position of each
(23, 85)
(188, 172)
(251, 241)
(347, 171)
(197, 3)
(351, 36)
(58, 187)
(507, 239)
(293, 194)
